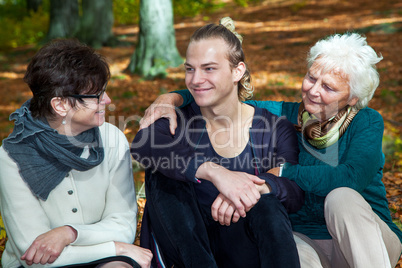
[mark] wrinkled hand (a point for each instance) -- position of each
(224, 211)
(141, 255)
(163, 106)
(47, 247)
(238, 187)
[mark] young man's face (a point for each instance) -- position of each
(209, 76)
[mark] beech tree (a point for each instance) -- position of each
(156, 47)
(94, 27)
(96, 23)
(64, 19)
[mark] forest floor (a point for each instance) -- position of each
(277, 35)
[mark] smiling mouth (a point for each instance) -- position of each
(313, 102)
(101, 111)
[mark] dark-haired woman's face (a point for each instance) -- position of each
(87, 115)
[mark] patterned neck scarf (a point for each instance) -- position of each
(324, 134)
(43, 156)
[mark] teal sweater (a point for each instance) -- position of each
(355, 161)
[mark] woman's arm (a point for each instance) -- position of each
(158, 150)
(164, 106)
(25, 219)
(355, 169)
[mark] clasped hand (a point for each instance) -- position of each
(225, 212)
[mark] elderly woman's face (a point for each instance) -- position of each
(325, 93)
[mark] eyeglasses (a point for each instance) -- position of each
(99, 96)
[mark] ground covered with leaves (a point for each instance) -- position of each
(277, 35)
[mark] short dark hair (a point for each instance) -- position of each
(62, 68)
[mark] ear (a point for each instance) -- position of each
(239, 71)
(352, 102)
(60, 106)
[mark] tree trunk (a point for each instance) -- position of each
(64, 19)
(96, 23)
(33, 5)
(156, 48)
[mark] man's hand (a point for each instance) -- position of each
(163, 106)
(141, 255)
(47, 247)
(224, 211)
(238, 187)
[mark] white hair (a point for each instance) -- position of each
(351, 55)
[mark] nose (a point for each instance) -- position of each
(197, 77)
(315, 89)
(106, 99)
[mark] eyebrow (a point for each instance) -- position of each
(202, 65)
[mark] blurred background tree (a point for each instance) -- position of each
(156, 47)
(64, 19)
(35, 22)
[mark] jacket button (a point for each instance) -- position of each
(70, 192)
(74, 210)
(67, 175)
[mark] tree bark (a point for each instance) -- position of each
(64, 19)
(96, 23)
(156, 48)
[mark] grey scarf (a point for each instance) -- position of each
(44, 157)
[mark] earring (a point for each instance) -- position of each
(64, 121)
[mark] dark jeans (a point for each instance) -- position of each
(189, 237)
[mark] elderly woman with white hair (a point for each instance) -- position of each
(345, 221)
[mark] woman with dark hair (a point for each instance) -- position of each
(67, 195)
(219, 156)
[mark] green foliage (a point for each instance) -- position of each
(244, 3)
(126, 12)
(392, 149)
(185, 8)
(23, 28)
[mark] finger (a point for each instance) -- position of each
(236, 217)
(52, 259)
(29, 254)
(239, 207)
(44, 259)
(229, 214)
(215, 206)
(255, 191)
(37, 258)
(222, 212)
(172, 124)
(255, 179)
(248, 198)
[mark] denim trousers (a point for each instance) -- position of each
(188, 236)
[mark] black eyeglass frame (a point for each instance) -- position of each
(98, 96)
